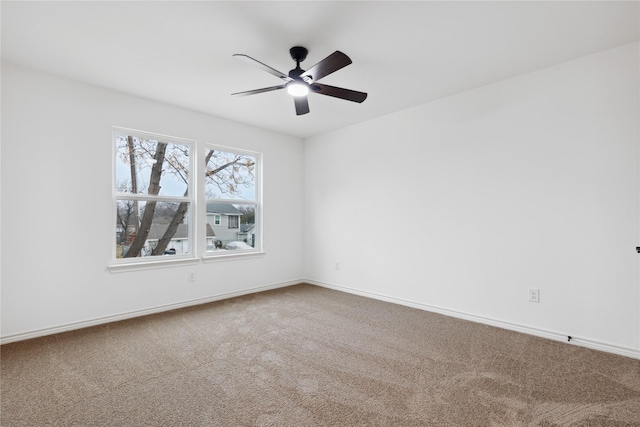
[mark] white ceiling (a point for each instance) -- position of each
(404, 53)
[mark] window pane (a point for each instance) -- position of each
(151, 229)
(236, 228)
(148, 166)
(229, 175)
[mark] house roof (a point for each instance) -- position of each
(222, 208)
(157, 231)
(246, 227)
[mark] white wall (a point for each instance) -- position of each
(57, 213)
(529, 182)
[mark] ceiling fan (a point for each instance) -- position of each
(300, 82)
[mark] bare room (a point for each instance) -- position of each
(442, 228)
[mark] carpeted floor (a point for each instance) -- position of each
(308, 356)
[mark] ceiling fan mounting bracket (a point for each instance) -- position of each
(298, 53)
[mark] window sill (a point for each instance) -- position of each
(234, 256)
(137, 266)
(165, 263)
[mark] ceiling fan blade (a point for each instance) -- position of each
(256, 91)
(338, 92)
(265, 67)
(328, 65)
(302, 105)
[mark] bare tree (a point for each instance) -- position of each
(229, 174)
(182, 171)
(134, 181)
(150, 206)
(126, 214)
(226, 176)
(248, 214)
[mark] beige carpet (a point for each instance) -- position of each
(308, 356)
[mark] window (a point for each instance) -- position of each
(152, 196)
(233, 221)
(232, 193)
(155, 199)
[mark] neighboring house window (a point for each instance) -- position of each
(153, 196)
(232, 192)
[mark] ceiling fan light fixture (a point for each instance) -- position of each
(297, 89)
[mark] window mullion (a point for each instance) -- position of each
(151, 198)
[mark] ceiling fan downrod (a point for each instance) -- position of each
(298, 54)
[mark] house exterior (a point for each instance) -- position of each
(247, 234)
(225, 221)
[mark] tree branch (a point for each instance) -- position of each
(150, 207)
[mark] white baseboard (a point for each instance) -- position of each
(138, 313)
(556, 336)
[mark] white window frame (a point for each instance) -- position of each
(197, 214)
(258, 250)
(124, 264)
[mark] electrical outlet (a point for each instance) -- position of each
(191, 276)
(534, 295)
(337, 266)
